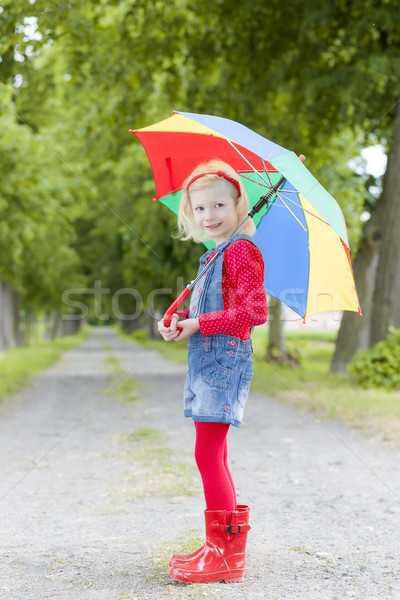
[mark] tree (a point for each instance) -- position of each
(38, 200)
(385, 307)
(66, 81)
(325, 54)
(354, 333)
(343, 43)
(339, 46)
(99, 69)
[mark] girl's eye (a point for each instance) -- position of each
(219, 204)
(198, 208)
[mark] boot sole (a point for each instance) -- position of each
(228, 578)
(237, 579)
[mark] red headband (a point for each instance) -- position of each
(220, 174)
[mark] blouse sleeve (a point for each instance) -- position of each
(243, 286)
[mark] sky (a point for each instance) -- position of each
(372, 161)
(375, 160)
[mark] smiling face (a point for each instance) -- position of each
(214, 211)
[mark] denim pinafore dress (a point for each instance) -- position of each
(220, 366)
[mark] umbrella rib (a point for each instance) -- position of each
(265, 184)
(248, 162)
(277, 192)
(302, 207)
(291, 212)
(254, 181)
(266, 171)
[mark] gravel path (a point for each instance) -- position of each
(83, 512)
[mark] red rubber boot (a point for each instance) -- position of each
(183, 558)
(223, 555)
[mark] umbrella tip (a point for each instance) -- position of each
(174, 112)
(131, 131)
(155, 199)
(302, 157)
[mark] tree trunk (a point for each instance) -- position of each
(15, 298)
(8, 337)
(152, 330)
(386, 296)
(57, 324)
(29, 325)
(132, 324)
(48, 325)
(354, 332)
(277, 350)
(70, 326)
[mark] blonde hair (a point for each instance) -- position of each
(186, 223)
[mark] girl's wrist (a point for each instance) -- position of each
(182, 314)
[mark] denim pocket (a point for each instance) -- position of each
(216, 368)
(244, 387)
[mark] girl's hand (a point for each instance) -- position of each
(189, 327)
(171, 332)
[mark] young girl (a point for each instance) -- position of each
(225, 304)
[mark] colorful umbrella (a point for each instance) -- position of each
(301, 231)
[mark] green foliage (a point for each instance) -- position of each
(38, 201)
(379, 366)
(80, 208)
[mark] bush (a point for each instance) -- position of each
(380, 365)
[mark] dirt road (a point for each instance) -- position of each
(96, 490)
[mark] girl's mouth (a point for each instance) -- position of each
(213, 226)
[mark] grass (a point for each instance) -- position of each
(17, 365)
(126, 389)
(311, 386)
(192, 541)
(145, 434)
(155, 468)
(114, 365)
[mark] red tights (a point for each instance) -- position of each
(211, 454)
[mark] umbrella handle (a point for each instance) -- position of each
(176, 303)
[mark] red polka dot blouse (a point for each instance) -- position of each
(243, 292)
